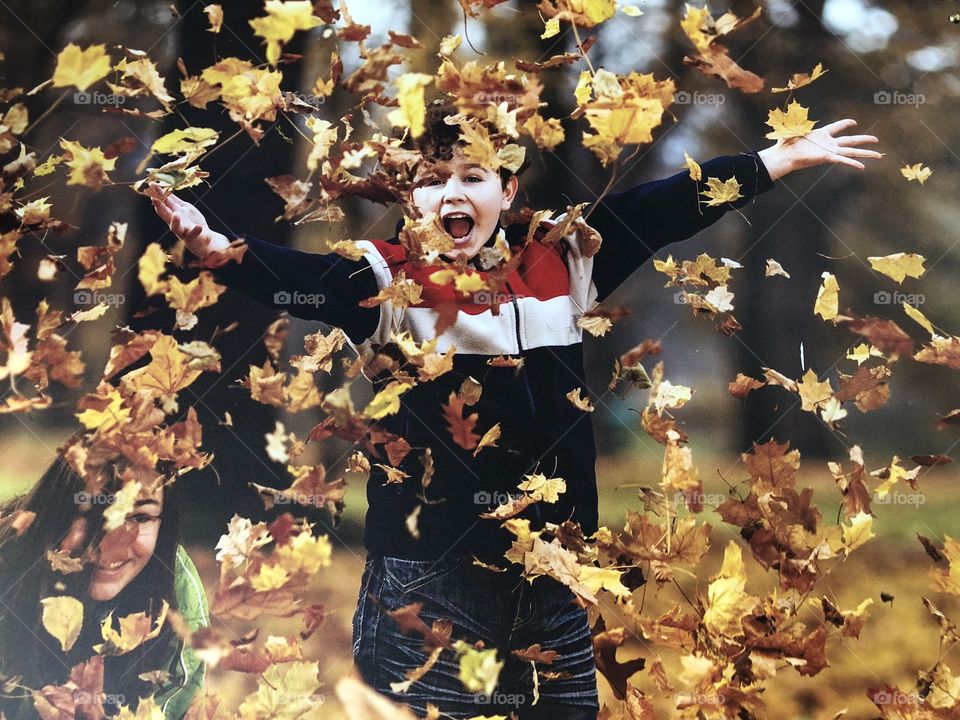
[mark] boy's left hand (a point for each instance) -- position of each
(820, 146)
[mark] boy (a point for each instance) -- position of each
(541, 431)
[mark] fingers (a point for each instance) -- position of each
(856, 139)
(859, 152)
(839, 125)
(842, 160)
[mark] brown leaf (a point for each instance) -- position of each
(605, 644)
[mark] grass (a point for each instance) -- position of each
(899, 639)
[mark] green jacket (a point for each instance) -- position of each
(186, 669)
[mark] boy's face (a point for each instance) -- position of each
(467, 199)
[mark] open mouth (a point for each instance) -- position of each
(458, 225)
(111, 567)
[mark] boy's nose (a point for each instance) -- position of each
(453, 190)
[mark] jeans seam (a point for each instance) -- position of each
(361, 609)
(376, 635)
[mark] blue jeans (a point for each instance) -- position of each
(503, 610)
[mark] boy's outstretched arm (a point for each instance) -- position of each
(327, 288)
(639, 221)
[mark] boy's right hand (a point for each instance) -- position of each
(186, 222)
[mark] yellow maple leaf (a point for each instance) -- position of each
(412, 110)
(828, 298)
(813, 393)
(151, 265)
(695, 22)
(189, 297)
(799, 80)
(387, 401)
(899, 265)
(270, 577)
(62, 617)
(187, 140)
(88, 166)
(858, 532)
(596, 579)
(720, 192)
(540, 487)
(790, 124)
(918, 172)
(135, 629)
(727, 603)
(112, 414)
(169, 370)
(283, 19)
(81, 68)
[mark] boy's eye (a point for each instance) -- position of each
(143, 518)
(474, 178)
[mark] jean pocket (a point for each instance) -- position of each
(407, 575)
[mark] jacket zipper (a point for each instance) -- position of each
(526, 383)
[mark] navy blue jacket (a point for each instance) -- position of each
(541, 431)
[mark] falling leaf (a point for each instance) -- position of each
(774, 268)
(581, 403)
(214, 15)
(693, 167)
(63, 617)
(813, 393)
(188, 140)
(283, 19)
(858, 532)
(799, 80)
(918, 172)
(81, 68)
(828, 298)
(412, 111)
(899, 265)
(387, 401)
(727, 603)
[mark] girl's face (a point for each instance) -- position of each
(122, 553)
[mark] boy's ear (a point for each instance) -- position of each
(510, 192)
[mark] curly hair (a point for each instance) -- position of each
(440, 139)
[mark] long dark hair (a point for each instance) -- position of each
(26, 576)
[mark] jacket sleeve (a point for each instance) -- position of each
(327, 288)
(637, 222)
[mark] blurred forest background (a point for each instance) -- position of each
(892, 67)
